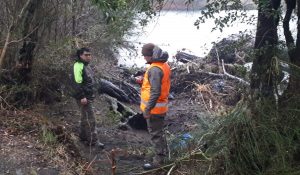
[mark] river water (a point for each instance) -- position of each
(174, 31)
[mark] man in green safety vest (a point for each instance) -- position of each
(83, 91)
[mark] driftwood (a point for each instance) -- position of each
(185, 57)
(234, 77)
(124, 92)
(132, 92)
(235, 48)
(227, 74)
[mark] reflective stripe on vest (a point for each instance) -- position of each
(161, 106)
(156, 105)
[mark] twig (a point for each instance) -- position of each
(154, 170)
(239, 58)
(193, 153)
(88, 167)
(179, 172)
(19, 40)
(113, 162)
(128, 171)
(200, 140)
(8, 105)
(213, 74)
(169, 151)
(171, 169)
(205, 103)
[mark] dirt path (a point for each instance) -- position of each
(133, 147)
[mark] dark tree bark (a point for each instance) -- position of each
(297, 54)
(291, 4)
(293, 51)
(30, 33)
(262, 84)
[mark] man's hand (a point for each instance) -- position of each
(139, 79)
(83, 101)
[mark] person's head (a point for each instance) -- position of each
(84, 54)
(147, 51)
(153, 53)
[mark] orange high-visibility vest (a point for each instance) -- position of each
(161, 106)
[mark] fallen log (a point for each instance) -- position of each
(185, 57)
(131, 91)
(124, 92)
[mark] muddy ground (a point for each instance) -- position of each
(44, 139)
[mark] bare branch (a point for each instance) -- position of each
(234, 77)
(16, 41)
(11, 27)
(240, 58)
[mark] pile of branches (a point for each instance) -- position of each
(215, 90)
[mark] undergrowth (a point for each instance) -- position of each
(251, 140)
(265, 141)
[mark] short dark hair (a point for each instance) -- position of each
(81, 51)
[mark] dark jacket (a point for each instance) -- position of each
(82, 81)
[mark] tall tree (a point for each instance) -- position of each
(30, 27)
(293, 49)
(262, 84)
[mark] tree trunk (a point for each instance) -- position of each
(262, 84)
(31, 21)
(5, 47)
(293, 51)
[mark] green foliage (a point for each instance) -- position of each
(48, 137)
(121, 15)
(241, 71)
(113, 118)
(33, 172)
(214, 7)
(47, 76)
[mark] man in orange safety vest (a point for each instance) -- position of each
(154, 99)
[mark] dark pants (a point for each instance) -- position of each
(156, 129)
(88, 123)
